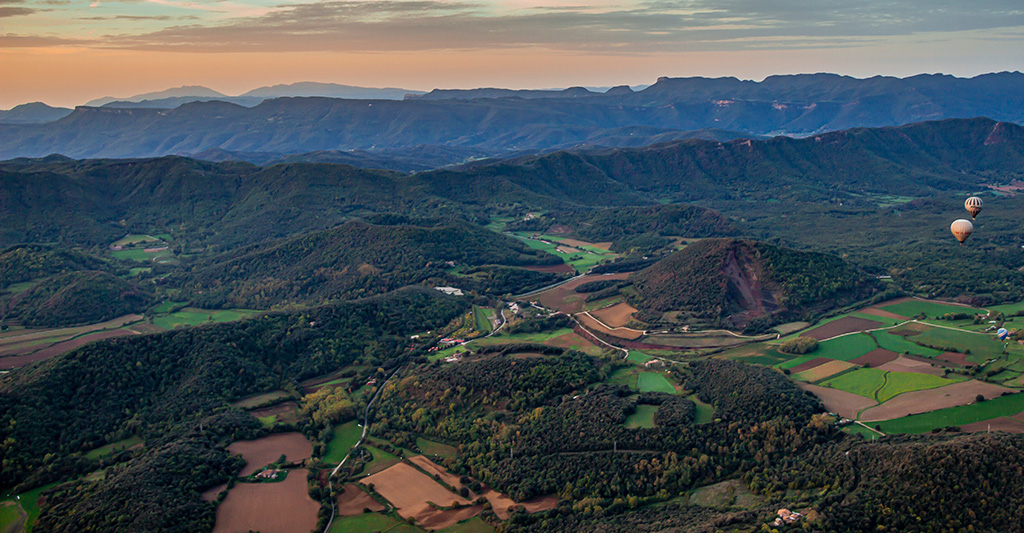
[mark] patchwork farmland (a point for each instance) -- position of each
(911, 366)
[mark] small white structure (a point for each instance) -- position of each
(450, 291)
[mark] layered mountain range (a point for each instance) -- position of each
(503, 122)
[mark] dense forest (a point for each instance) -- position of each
(358, 259)
(32, 261)
(76, 298)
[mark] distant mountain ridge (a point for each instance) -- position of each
(33, 113)
(796, 105)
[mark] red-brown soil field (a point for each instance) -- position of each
(847, 324)
(956, 358)
(828, 369)
(616, 316)
(564, 298)
(499, 502)
(924, 401)
(282, 507)
(809, 365)
(622, 333)
(353, 500)
(563, 268)
(412, 492)
(1003, 423)
(844, 403)
(263, 451)
(906, 364)
(876, 358)
(874, 311)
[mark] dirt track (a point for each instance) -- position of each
(923, 401)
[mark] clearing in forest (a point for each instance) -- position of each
(652, 382)
(266, 450)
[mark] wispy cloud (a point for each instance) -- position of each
(609, 26)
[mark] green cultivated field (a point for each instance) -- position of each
(846, 348)
(1008, 309)
(10, 514)
(982, 346)
(881, 385)
(430, 447)
(857, 429)
(705, 412)
(931, 309)
(642, 418)
(651, 382)
(582, 261)
(371, 522)
(798, 361)
(900, 344)
(345, 437)
(113, 447)
(638, 357)
(956, 416)
(381, 460)
(134, 239)
(482, 316)
(191, 316)
(30, 503)
(862, 382)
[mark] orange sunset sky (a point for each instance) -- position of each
(66, 52)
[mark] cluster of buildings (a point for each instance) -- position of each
(787, 517)
(269, 473)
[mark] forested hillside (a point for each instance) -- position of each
(74, 298)
(740, 280)
(32, 261)
(358, 259)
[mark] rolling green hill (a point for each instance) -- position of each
(28, 261)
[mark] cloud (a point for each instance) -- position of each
(655, 26)
(15, 11)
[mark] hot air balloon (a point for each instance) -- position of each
(961, 229)
(973, 206)
(1002, 333)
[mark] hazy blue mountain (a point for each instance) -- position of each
(177, 92)
(509, 122)
(331, 90)
(33, 113)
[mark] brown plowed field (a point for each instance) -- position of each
(353, 500)
(616, 316)
(622, 333)
(1008, 425)
(563, 268)
(958, 359)
(564, 298)
(924, 401)
(844, 403)
(569, 340)
(847, 324)
(412, 492)
(14, 361)
(818, 361)
(261, 452)
(906, 364)
(578, 243)
(821, 372)
(282, 507)
(874, 311)
(499, 502)
(876, 358)
(282, 408)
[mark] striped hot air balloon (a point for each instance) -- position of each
(973, 206)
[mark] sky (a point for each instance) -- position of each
(66, 52)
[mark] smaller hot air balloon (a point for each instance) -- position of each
(973, 206)
(961, 229)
